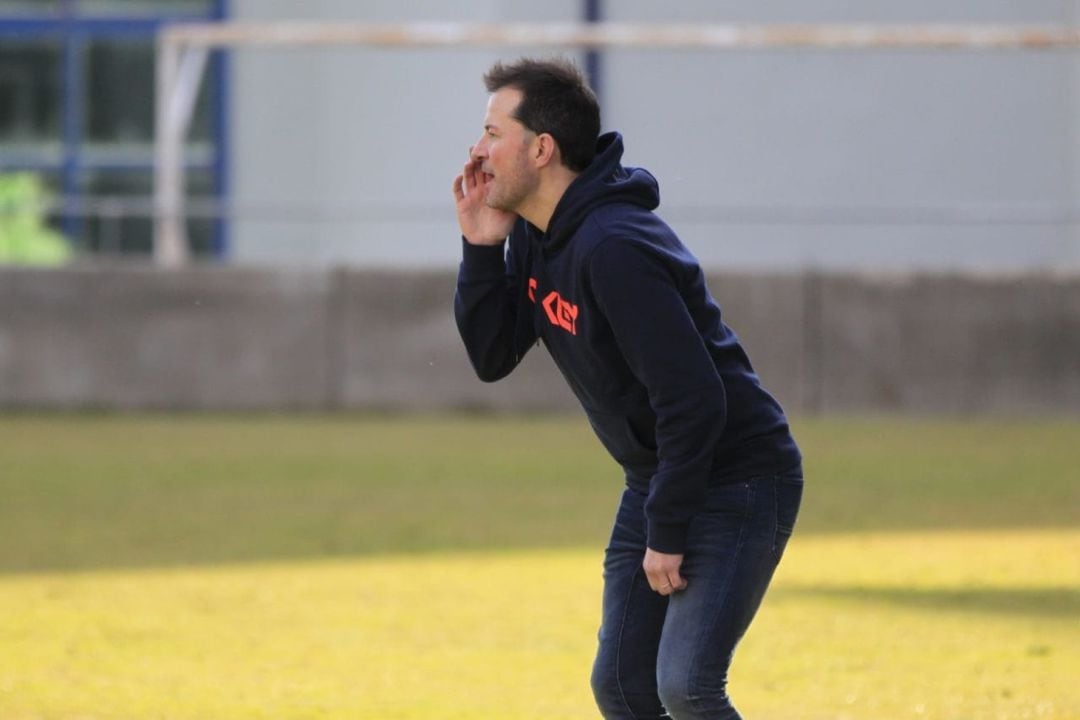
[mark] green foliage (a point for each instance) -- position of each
(24, 236)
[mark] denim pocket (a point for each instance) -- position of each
(732, 499)
(723, 524)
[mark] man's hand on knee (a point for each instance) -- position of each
(662, 571)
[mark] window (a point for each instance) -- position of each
(120, 83)
(77, 108)
(118, 218)
(30, 91)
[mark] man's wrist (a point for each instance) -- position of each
(667, 538)
(482, 261)
(485, 242)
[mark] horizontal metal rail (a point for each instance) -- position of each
(611, 35)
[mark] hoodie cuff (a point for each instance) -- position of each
(667, 538)
(482, 262)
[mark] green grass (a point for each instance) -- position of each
(448, 567)
(82, 492)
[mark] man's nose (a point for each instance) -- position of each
(478, 151)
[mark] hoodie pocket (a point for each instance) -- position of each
(626, 445)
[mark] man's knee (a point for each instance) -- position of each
(619, 697)
(605, 688)
(685, 700)
(674, 695)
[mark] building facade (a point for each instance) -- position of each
(951, 160)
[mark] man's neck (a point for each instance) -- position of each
(541, 205)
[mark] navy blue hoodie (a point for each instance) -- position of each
(623, 309)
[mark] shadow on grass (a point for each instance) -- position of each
(1056, 602)
(81, 493)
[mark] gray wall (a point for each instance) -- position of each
(346, 155)
(767, 160)
(235, 339)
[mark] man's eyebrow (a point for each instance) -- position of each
(491, 126)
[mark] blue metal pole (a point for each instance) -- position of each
(220, 130)
(73, 100)
(593, 12)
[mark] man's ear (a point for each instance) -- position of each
(546, 150)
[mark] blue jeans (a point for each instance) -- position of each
(660, 654)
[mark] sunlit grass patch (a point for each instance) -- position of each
(926, 625)
(455, 636)
(935, 625)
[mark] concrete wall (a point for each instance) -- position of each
(234, 339)
(133, 339)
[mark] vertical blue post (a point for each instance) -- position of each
(219, 86)
(593, 12)
(74, 96)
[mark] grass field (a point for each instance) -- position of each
(448, 567)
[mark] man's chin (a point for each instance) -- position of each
(498, 202)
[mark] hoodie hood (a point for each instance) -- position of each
(604, 182)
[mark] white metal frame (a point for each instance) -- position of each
(182, 52)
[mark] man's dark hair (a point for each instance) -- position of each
(556, 100)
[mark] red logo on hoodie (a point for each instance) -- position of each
(560, 312)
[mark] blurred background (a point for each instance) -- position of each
(889, 229)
